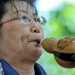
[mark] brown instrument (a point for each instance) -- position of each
(63, 50)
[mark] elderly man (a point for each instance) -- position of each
(20, 36)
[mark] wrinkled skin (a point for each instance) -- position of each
(17, 43)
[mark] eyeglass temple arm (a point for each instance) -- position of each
(9, 20)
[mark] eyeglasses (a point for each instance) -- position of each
(26, 20)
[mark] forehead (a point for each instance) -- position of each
(19, 6)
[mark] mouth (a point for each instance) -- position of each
(37, 41)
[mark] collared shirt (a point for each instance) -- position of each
(6, 69)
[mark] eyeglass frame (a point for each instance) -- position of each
(19, 18)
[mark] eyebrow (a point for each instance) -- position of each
(35, 14)
(21, 11)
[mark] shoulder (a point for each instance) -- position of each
(39, 69)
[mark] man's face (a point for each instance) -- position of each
(20, 40)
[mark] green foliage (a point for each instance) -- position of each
(62, 21)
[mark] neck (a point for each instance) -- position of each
(23, 68)
(24, 71)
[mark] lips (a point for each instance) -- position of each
(36, 40)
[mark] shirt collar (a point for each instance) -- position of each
(8, 70)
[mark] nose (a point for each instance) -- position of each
(35, 28)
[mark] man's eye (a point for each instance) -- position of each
(37, 20)
(23, 17)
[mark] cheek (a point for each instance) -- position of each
(30, 50)
(42, 35)
(15, 31)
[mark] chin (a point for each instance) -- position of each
(35, 56)
(37, 53)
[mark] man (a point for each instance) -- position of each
(20, 36)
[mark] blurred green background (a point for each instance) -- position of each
(60, 23)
